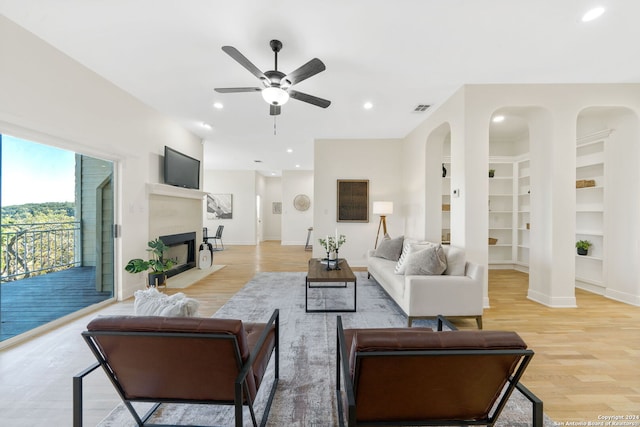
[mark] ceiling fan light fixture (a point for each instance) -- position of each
(275, 95)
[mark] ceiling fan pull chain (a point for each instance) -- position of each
(274, 124)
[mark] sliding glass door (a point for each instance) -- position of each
(56, 234)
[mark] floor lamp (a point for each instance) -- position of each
(383, 209)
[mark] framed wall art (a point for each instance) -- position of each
(219, 206)
(276, 208)
(353, 200)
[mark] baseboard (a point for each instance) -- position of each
(554, 302)
(622, 297)
(293, 243)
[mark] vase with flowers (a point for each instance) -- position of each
(332, 245)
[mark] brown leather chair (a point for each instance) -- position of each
(416, 376)
(182, 360)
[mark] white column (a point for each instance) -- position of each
(551, 254)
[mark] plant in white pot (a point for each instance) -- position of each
(156, 266)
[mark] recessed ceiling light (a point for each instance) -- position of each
(218, 105)
(206, 125)
(289, 150)
(297, 166)
(498, 119)
(368, 106)
(592, 14)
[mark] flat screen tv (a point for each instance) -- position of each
(181, 170)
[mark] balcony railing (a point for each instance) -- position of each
(33, 249)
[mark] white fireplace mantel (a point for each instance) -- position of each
(173, 191)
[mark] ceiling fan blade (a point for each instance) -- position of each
(309, 69)
(242, 60)
(237, 89)
(309, 98)
(274, 110)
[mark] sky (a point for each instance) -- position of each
(36, 173)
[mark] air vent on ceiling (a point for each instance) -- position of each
(420, 108)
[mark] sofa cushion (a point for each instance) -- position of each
(390, 248)
(456, 262)
(427, 261)
(407, 248)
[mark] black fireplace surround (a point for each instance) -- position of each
(188, 239)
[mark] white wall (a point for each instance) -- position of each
(290, 227)
(242, 185)
(49, 98)
(295, 223)
(272, 223)
(377, 160)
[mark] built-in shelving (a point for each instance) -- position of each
(446, 203)
(501, 212)
(590, 202)
(523, 210)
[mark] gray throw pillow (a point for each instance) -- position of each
(428, 261)
(408, 248)
(390, 248)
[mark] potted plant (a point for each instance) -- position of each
(492, 172)
(156, 265)
(583, 246)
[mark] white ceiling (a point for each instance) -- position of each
(395, 54)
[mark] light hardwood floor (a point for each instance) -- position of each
(587, 361)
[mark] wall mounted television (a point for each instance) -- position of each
(181, 170)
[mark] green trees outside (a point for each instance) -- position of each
(37, 238)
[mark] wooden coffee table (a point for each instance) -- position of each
(318, 273)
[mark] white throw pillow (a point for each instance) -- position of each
(456, 262)
(151, 302)
(408, 248)
(428, 261)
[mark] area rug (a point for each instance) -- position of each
(306, 390)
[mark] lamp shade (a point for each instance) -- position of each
(382, 208)
(275, 95)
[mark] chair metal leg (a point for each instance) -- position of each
(77, 394)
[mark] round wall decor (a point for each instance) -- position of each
(301, 202)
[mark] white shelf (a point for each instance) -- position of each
(589, 233)
(589, 257)
(172, 191)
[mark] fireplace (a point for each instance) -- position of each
(182, 250)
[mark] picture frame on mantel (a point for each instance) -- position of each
(219, 206)
(353, 200)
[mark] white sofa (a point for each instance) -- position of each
(455, 293)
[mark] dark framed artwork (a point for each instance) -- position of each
(219, 206)
(353, 200)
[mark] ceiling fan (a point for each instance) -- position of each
(277, 85)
